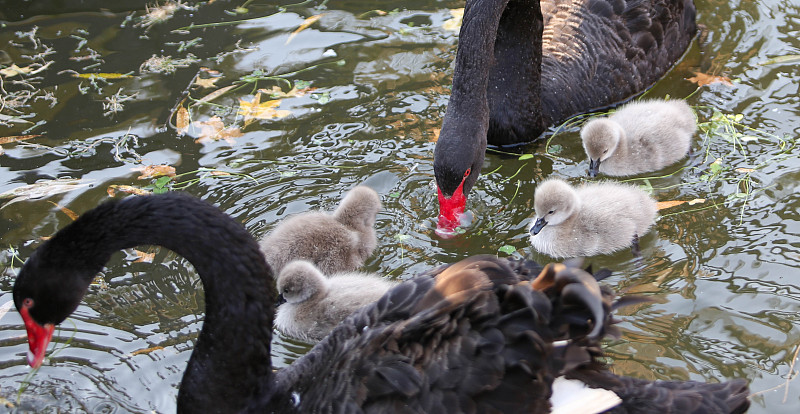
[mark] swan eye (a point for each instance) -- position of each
(27, 303)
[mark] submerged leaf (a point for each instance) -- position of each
(17, 138)
(206, 82)
(129, 189)
(71, 214)
(44, 188)
(781, 59)
(702, 79)
(214, 130)
(303, 26)
(182, 120)
(152, 171)
(216, 94)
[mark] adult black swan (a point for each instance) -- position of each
(523, 65)
(470, 337)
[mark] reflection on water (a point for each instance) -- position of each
(723, 273)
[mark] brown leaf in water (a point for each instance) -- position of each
(17, 138)
(129, 189)
(153, 171)
(219, 173)
(702, 79)
(216, 94)
(71, 214)
(744, 170)
(146, 350)
(182, 120)
(206, 82)
(661, 205)
(214, 130)
(255, 109)
(303, 26)
(144, 256)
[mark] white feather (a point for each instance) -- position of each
(574, 397)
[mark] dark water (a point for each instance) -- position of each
(724, 272)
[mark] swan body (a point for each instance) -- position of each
(640, 137)
(315, 304)
(335, 242)
(481, 335)
(523, 65)
(593, 219)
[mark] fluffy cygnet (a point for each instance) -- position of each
(315, 304)
(641, 136)
(593, 219)
(335, 242)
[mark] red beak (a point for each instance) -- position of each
(38, 338)
(451, 209)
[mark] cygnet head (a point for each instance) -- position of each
(600, 139)
(300, 280)
(359, 208)
(554, 202)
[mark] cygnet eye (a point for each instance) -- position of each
(286, 290)
(551, 212)
(605, 151)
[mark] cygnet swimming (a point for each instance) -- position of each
(315, 304)
(641, 136)
(335, 242)
(593, 219)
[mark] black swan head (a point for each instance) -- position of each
(482, 335)
(523, 65)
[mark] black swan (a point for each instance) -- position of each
(523, 65)
(335, 242)
(470, 337)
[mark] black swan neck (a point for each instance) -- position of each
(230, 365)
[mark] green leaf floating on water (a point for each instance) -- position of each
(507, 249)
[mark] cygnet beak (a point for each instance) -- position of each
(594, 167)
(281, 299)
(538, 226)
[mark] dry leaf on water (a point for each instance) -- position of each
(214, 130)
(216, 94)
(303, 26)
(182, 120)
(206, 82)
(144, 256)
(256, 109)
(661, 205)
(129, 189)
(146, 350)
(744, 170)
(277, 92)
(17, 138)
(702, 79)
(43, 188)
(71, 214)
(152, 171)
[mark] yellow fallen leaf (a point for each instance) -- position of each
(15, 70)
(152, 171)
(146, 350)
(71, 214)
(744, 170)
(255, 109)
(216, 94)
(454, 23)
(697, 201)
(303, 26)
(129, 189)
(101, 75)
(277, 92)
(206, 82)
(144, 256)
(182, 120)
(702, 79)
(661, 205)
(16, 138)
(214, 130)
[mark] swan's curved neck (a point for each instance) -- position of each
(231, 362)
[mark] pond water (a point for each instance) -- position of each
(373, 87)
